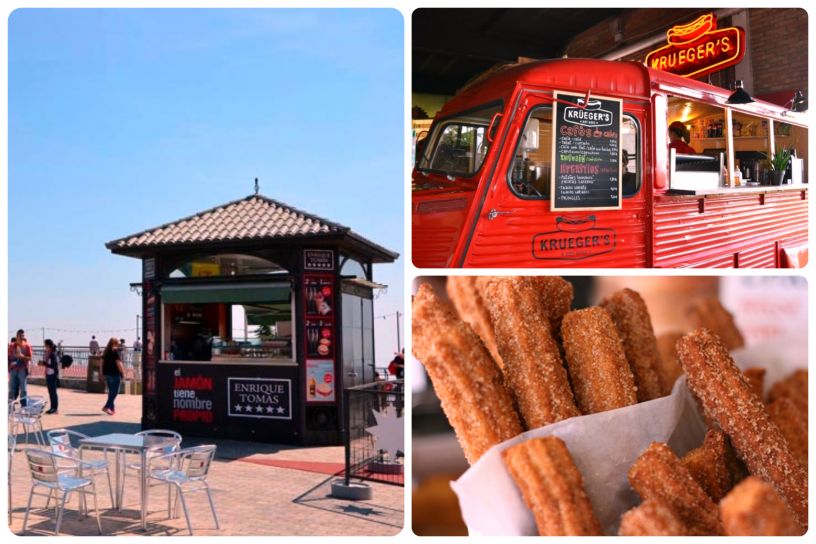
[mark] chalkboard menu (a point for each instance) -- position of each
(586, 173)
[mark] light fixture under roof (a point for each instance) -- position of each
(739, 96)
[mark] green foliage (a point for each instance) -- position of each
(779, 160)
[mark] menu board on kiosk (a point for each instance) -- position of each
(586, 173)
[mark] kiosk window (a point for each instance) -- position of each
(530, 171)
(227, 323)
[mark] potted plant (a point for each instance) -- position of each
(778, 163)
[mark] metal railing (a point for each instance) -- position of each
(363, 459)
(79, 368)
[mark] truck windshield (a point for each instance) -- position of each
(458, 145)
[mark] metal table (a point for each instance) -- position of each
(128, 443)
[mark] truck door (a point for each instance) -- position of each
(515, 227)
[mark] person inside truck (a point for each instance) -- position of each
(679, 137)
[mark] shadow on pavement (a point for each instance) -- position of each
(319, 497)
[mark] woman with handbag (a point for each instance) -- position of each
(114, 370)
(51, 364)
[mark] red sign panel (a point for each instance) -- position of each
(698, 48)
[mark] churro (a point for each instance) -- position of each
(465, 297)
(631, 317)
(794, 387)
(532, 360)
(753, 508)
(727, 398)
(756, 378)
(466, 379)
(659, 475)
(669, 369)
(556, 297)
(709, 313)
(600, 375)
(710, 464)
(651, 518)
(793, 425)
(552, 487)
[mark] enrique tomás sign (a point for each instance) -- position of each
(264, 398)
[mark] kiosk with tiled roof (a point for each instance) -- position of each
(256, 315)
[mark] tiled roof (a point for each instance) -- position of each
(252, 218)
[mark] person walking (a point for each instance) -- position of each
(51, 364)
(113, 369)
(93, 347)
(19, 357)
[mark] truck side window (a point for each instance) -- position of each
(529, 175)
(630, 156)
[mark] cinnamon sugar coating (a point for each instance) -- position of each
(659, 475)
(651, 518)
(753, 508)
(756, 378)
(465, 297)
(634, 325)
(727, 398)
(552, 487)
(709, 313)
(711, 464)
(600, 375)
(532, 361)
(465, 377)
(793, 425)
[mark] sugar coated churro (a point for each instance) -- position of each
(532, 360)
(793, 425)
(469, 305)
(794, 387)
(465, 377)
(631, 317)
(601, 377)
(552, 487)
(659, 475)
(711, 464)
(756, 377)
(727, 398)
(709, 313)
(753, 508)
(669, 369)
(651, 518)
(556, 297)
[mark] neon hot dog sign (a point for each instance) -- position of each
(698, 48)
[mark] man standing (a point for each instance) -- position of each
(93, 347)
(137, 344)
(19, 357)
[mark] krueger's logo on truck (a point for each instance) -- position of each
(574, 239)
(591, 116)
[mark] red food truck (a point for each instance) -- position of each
(566, 163)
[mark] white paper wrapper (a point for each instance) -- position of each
(604, 446)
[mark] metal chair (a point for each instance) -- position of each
(12, 446)
(187, 473)
(69, 458)
(45, 473)
(29, 417)
(136, 468)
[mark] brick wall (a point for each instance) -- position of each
(778, 45)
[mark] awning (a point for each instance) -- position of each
(229, 294)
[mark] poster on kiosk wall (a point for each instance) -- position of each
(319, 380)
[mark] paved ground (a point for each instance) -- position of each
(255, 493)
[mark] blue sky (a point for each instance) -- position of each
(120, 120)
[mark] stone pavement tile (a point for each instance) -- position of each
(250, 499)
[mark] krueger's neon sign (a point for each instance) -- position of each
(698, 48)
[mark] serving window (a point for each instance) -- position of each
(219, 323)
(530, 171)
